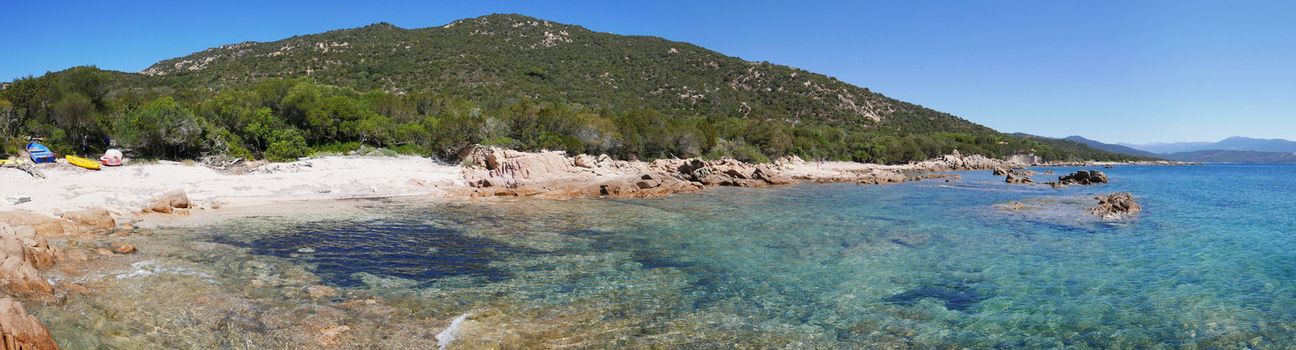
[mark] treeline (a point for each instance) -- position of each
(83, 110)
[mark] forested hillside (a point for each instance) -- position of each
(504, 80)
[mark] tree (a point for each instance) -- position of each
(260, 128)
(160, 128)
(76, 115)
(286, 145)
(6, 118)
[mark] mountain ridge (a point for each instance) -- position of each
(1114, 148)
(686, 88)
(514, 81)
(1232, 143)
(1232, 156)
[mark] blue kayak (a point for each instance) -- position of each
(40, 153)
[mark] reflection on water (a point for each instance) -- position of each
(807, 266)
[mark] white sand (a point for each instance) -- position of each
(129, 188)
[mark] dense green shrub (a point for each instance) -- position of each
(286, 145)
(283, 119)
(161, 128)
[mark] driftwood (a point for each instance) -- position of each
(27, 167)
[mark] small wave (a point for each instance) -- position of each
(450, 333)
(150, 267)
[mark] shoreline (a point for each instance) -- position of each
(126, 195)
(77, 208)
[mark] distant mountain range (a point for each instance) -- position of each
(1230, 150)
(1235, 143)
(1229, 156)
(1122, 149)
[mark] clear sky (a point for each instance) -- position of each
(1115, 71)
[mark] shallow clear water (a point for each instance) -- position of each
(1209, 264)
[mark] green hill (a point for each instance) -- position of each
(509, 80)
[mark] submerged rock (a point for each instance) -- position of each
(20, 330)
(954, 299)
(122, 247)
(1116, 206)
(321, 291)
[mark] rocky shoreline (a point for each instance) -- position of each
(554, 175)
(90, 214)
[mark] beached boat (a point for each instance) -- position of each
(82, 162)
(39, 153)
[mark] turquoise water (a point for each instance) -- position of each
(1210, 263)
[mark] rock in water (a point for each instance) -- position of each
(1116, 206)
(321, 291)
(1014, 178)
(122, 247)
(1083, 177)
(20, 330)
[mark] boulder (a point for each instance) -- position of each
(167, 202)
(96, 219)
(1083, 177)
(22, 331)
(1014, 178)
(120, 247)
(584, 161)
(39, 253)
(26, 222)
(879, 177)
(18, 273)
(646, 184)
(1116, 206)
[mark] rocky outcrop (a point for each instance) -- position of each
(25, 222)
(956, 161)
(96, 219)
(1083, 177)
(20, 256)
(21, 331)
(501, 172)
(168, 202)
(1014, 178)
(1116, 206)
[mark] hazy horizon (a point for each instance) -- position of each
(1108, 71)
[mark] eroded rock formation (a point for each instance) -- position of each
(1083, 177)
(1116, 206)
(500, 172)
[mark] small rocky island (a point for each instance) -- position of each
(1116, 206)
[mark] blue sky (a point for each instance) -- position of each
(1116, 71)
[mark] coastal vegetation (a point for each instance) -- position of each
(500, 80)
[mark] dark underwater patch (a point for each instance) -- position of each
(413, 251)
(955, 299)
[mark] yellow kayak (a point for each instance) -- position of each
(82, 162)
